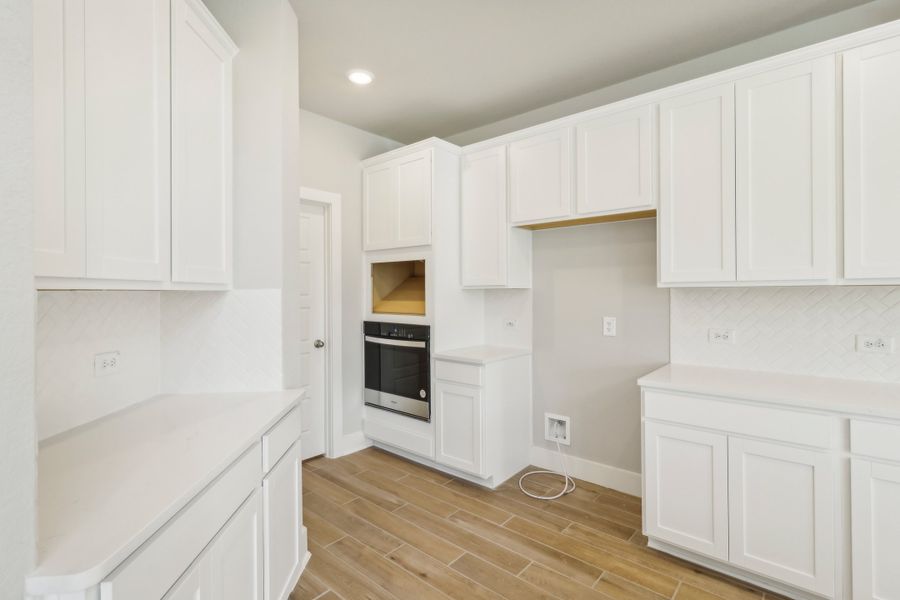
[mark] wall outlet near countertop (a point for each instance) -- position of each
(874, 344)
(609, 326)
(722, 336)
(106, 363)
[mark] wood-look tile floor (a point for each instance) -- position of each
(383, 528)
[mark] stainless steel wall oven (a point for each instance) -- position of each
(398, 368)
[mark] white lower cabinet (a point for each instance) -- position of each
(782, 506)
(875, 492)
(194, 585)
(458, 414)
(686, 493)
(282, 528)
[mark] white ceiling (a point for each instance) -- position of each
(445, 66)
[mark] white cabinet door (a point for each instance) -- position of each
(193, 585)
(459, 420)
(201, 146)
(124, 61)
(379, 206)
(875, 498)
(614, 163)
(871, 156)
(686, 486)
(235, 559)
(540, 178)
(697, 187)
(782, 507)
(397, 202)
(786, 173)
(282, 526)
(484, 228)
(413, 209)
(59, 202)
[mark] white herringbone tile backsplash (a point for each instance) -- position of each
(221, 341)
(802, 330)
(71, 327)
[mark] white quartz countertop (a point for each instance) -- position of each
(818, 393)
(481, 355)
(106, 487)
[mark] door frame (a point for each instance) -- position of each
(334, 415)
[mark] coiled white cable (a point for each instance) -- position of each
(570, 483)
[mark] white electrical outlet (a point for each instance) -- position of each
(875, 344)
(722, 336)
(558, 427)
(511, 323)
(106, 363)
(609, 326)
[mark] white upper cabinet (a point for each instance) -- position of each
(614, 163)
(201, 146)
(540, 177)
(397, 202)
(123, 64)
(493, 253)
(697, 187)
(104, 155)
(786, 173)
(871, 159)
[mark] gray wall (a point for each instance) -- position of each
(330, 155)
(854, 19)
(17, 420)
(582, 274)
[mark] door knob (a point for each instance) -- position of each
(319, 344)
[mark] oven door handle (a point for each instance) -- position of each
(391, 342)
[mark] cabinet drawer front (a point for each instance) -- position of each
(819, 431)
(458, 372)
(277, 440)
(154, 567)
(878, 440)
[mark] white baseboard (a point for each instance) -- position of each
(350, 443)
(627, 482)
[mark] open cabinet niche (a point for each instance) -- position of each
(398, 288)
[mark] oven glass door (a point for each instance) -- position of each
(398, 376)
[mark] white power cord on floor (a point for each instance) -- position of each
(570, 483)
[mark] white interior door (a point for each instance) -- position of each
(312, 327)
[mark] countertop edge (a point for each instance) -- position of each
(455, 355)
(41, 585)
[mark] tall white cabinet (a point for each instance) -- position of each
(132, 143)
(871, 154)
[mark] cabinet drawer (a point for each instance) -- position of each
(158, 564)
(878, 440)
(277, 440)
(458, 372)
(820, 431)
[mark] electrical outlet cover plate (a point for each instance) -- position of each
(722, 336)
(609, 326)
(875, 344)
(564, 428)
(106, 364)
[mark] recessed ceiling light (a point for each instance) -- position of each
(360, 76)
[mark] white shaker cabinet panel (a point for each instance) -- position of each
(459, 417)
(201, 147)
(697, 188)
(397, 202)
(126, 59)
(686, 487)
(493, 253)
(871, 158)
(59, 200)
(193, 585)
(614, 163)
(540, 177)
(282, 526)
(786, 173)
(782, 513)
(235, 558)
(875, 494)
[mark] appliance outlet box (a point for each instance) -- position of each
(558, 428)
